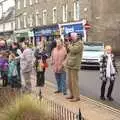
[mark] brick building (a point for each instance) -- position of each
(103, 17)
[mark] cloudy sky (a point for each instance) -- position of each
(6, 5)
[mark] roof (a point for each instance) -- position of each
(9, 15)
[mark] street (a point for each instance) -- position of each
(90, 85)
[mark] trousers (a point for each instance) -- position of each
(110, 89)
(27, 80)
(61, 81)
(73, 83)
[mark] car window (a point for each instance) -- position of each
(93, 47)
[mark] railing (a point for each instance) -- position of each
(59, 112)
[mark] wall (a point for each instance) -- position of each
(105, 21)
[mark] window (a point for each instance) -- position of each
(18, 23)
(31, 2)
(44, 17)
(31, 20)
(37, 18)
(54, 15)
(36, 1)
(25, 20)
(25, 3)
(65, 13)
(18, 4)
(76, 10)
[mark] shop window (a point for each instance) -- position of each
(31, 2)
(18, 4)
(76, 10)
(44, 17)
(25, 3)
(65, 12)
(54, 15)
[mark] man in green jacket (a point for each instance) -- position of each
(73, 64)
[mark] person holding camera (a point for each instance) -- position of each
(73, 63)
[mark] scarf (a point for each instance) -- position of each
(110, 68)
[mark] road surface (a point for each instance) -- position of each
(90, 85)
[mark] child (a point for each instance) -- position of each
(12, 72)
(4, 68)
(41, 65)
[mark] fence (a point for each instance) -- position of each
(59, 112)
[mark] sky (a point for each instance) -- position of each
(6, 5)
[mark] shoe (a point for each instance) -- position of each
(102, 98)
(110, 98)
(57, 92)
(70, 97)
(75, 100)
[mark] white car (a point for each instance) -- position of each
(91, 54)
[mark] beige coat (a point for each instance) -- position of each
(74, 56)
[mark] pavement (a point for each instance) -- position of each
(90, 109)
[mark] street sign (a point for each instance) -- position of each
(87, 26)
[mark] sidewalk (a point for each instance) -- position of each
(90, 109)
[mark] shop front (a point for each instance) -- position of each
(77, 27)
(49, 32)
(6, 35)
(26, 34)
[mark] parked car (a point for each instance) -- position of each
(91, 54)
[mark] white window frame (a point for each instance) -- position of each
(65, 12)
(36, 1)
(76, 10)
(37, 18)
(18, 23)
(44, 17)
(30, 2)
(31, 20)
(25, 3)
(18, 4)
(25, 20)
(54, 16)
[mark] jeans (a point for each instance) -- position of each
(61, 81)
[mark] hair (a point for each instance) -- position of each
(108, 47)
(26, 43)
(12, 55)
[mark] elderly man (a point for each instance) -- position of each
(73, 66)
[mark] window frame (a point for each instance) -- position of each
(30, 2)
(65, 13)
(18, 4)
(25, 3)
(44, 17)
(76, 10)
(54, 19)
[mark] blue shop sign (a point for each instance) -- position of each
(46, 31)
(76, 27)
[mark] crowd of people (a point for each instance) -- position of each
(18, 61)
